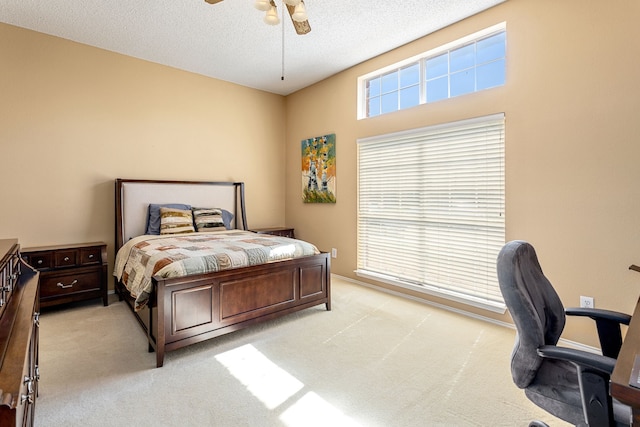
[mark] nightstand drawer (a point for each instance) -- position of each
(39, 260)
(90, 255)
(67, 258)
(54, 285)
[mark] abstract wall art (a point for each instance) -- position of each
(319, 169)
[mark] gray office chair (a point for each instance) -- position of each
(573, 385)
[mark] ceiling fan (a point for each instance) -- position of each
(294, 7)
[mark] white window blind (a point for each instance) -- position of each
(431, 209)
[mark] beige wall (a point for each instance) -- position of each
(74, 118)
(571, 102)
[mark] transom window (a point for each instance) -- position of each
(471, 64)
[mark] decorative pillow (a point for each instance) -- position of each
(153, 216)
(175, 221)
(208, 219)
(227, 217)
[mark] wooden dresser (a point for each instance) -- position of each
(72, 272)
(19, 324)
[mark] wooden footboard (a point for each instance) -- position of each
(191, 309)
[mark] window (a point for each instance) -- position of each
(471, 64)
(431, 209)
(396, 90)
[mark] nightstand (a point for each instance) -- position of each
(277, 231)
(73, 272)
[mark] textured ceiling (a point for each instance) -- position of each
(229, 40)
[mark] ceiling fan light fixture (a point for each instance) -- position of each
(262, 5)
(272, 16)
(300, 13)
(292, 2)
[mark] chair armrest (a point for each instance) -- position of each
(585, 359)
(594, 374)
(608, 324)
(597, 313)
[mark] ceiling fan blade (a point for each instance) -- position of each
(213, 1)
(301, 27)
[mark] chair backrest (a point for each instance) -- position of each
(535, 308)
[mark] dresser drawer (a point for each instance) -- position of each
(59, 284)
(29, 387)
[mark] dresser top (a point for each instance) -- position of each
(5, 246)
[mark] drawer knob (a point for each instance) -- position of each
(70, 285)
(90, 256)
(66, 258)
(39, 261)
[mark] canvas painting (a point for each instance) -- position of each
(319, 169)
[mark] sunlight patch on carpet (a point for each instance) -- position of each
(273, 386)
(268, 382)
(311, 410)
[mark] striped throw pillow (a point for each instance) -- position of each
(175, 221)
(153, 216)
(208, 219)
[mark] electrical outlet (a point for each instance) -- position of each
(334, 253)
(586, 302)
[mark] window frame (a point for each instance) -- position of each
(363, 99)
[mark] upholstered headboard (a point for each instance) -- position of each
(133, 197)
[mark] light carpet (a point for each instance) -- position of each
(374, 360)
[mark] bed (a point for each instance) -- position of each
(181, 311)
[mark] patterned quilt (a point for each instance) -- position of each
(179, 255)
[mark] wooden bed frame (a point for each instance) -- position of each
(187, 310)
